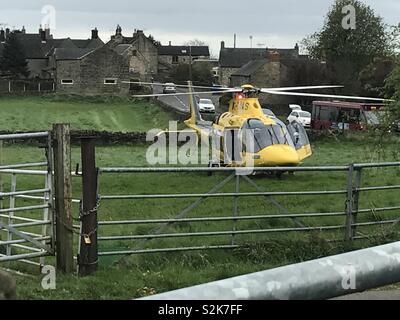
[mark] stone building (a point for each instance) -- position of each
(277, 70)
(141, 52)
(231, 60)
(171, 56)
(91, 71)
(263, 72)
(39, 47)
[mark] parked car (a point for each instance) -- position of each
(300, 116)
(206, 105)
(169, 88)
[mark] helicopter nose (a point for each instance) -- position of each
(279, 155)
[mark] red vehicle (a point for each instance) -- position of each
(342, 115)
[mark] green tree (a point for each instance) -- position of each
(349, 51)
(201, 74)
(392, 89)
(13, 63)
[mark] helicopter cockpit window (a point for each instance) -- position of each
(262, 136)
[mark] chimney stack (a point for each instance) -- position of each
(170, 43)
(7, 32)
(47, 32)
(43, 35)
(118, 32)
(273, 56)
(95, 33)
(222, 44)
(23, 29)
(2, 36)
(234, 41)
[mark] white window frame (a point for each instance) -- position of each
(70, 81)
(115, 81)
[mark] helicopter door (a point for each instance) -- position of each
(232, 146)
(298, 135)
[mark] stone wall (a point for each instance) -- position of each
(68, 69)
(90, 72)
(225, 75)
(36, 67)
(149, 52)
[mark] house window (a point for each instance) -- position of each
(175, 59)
(110, 81)
(67, 81)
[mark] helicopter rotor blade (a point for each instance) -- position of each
(302, 88)
(317, 95)
(238, 88)
(182, 93)
(175, 85)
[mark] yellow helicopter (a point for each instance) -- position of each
(247, 136)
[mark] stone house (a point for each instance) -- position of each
(231, 60)
(90, 71)
(263, 72)
(171, 56)
(141, 52)
(39, 47)
(276, 70)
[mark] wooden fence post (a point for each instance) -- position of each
(63, 197)
(88, 255)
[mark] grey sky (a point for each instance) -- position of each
(270, 22)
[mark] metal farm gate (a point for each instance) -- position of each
(26, 213)
(134, 210)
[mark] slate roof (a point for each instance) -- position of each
(183, 51)
(32, 45)
(121, 48)
(249, 68)
(34, 48)
(88, 43)
(254, 65)
(71, 53)
(238, 57)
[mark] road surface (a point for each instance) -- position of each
(181, 102)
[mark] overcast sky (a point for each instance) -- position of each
(272, 23)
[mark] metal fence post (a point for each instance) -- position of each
(11, 213)
(88, 256)
(235, 206)
(349, 205)
(63, 198)
(356, 199)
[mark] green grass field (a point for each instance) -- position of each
(114, 115)
(144, 274)
(140, 275)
